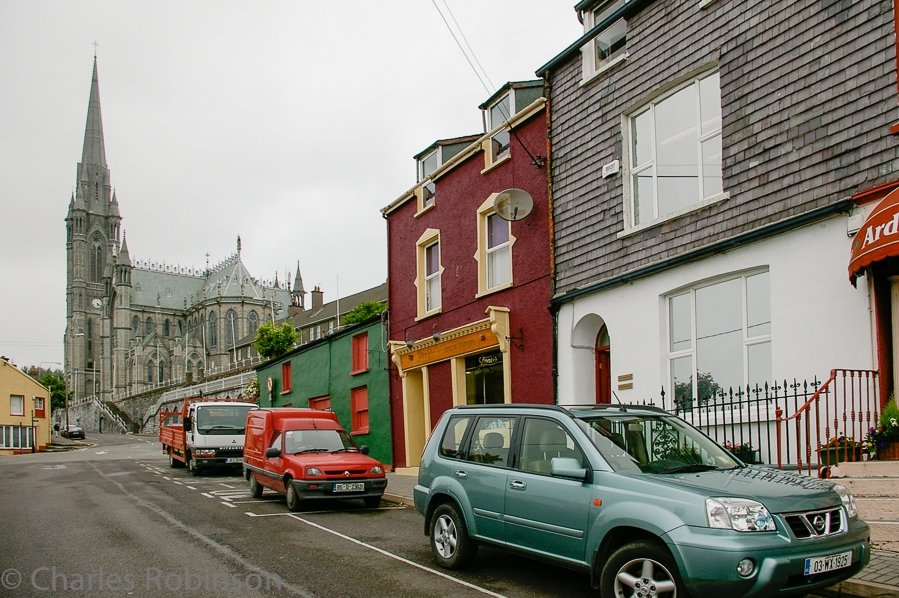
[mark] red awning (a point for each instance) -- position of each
(878, 238)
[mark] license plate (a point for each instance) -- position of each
(354, 487)
(831, 562)
(234, 460)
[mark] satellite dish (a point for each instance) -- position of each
(513, 204)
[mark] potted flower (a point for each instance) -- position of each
(744, 452)
(883, 440)
(839, 449)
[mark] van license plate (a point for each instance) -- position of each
(355, 487)
(234, 460)
(828, 563)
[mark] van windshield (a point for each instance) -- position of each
(317, 441)
(222, 420)
(654, 444)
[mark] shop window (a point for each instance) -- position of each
(360, 353)
(285, 377)
(16, 437)
(484, 382)
(359, 406)
(674, 164)
(719, 338)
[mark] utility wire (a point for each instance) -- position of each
(456, 39)
(467, 45)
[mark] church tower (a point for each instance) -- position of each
(93, 226)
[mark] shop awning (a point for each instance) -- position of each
(878, 238)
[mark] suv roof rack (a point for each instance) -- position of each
(622, 407)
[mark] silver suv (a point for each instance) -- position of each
(638, 498)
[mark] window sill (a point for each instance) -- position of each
(425, 209)
(430, 314)
(357, 372)
(359, 432)
(894, 129)
(499, 162)
(590, 78)
(714, 200)
(493, 290)
(285, 392)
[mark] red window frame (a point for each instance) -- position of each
(360, 354)
(42, 411)
(359, 406)
(320, 403)
(285, 377)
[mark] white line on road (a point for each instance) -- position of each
(398, 558)
(227, 504)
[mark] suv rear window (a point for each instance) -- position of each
(451, 445)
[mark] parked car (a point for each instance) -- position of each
(73, 431)
(306, 455)
(638, 498)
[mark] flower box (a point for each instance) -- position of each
(750, 456)
(888, 452)
(831, 455)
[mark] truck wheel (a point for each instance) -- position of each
(641, 569)
(293, 499)
(255, 487)
(450, 543)
(173, 462)
(192, 466)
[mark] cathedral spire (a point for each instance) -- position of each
(94, 152)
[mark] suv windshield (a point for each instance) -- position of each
(317, 441)
(654, 444)
(222, 419)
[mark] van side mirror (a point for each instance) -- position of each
(272, 452)
(187, 424)
(567, 467)
(363, 449)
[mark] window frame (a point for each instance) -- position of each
(360, 412)
(590, 69)
(360, 354)
(286, 383)
(747, 342)
(21, 401)
(629, 170)
(482, 255)
(423, 280)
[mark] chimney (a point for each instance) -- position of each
(317, 298)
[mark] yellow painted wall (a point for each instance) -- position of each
(15, 382)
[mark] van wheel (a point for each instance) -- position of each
(255, 486)
(192, 466)
(173, 462)
(450, 543)
(641, 569)
(293, 499)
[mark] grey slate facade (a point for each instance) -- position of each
(808, 94)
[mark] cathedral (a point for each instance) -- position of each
(133, 325)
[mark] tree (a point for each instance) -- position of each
(57, 387)
(272, 342)
(363, 311)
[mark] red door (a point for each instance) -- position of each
(603, 367)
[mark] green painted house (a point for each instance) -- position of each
(345, 372)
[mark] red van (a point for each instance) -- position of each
(305, 454)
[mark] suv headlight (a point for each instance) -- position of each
(740, 514)
(313, 471)
(847, 499)
(377, 470)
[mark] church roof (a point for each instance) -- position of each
(94, 151)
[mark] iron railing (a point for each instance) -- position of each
(850, 401)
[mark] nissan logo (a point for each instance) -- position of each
(819, 522)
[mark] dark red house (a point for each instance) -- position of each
(469, 272)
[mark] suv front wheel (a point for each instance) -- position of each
(641, 569)
(450, 543)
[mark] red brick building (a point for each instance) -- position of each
(469, 272)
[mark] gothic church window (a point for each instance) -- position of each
(166, 328)
(252, 322)
(95, 272)
(150, 366)
(148, 328)
(213, 336)
(135, 325)
(230, 327)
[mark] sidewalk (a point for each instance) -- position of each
(879, 579)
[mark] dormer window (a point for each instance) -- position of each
(428, 164)
(609, 47)
(500, 111)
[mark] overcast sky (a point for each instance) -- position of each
(288, 123)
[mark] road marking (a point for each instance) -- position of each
(226, 485)
(227, 504)
(191, 487)
(397, 557)
(207, 495)
(102, 453)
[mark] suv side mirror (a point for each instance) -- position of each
(363, 449)
(567, 467)
(272, 452)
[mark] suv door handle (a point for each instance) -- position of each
(517, 485)
(460, 474)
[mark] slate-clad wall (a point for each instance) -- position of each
(808, 92)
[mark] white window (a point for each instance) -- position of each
(719, 338)
(500, 111)
(675, 153)
(16, 405)
(38, 403)
(499, 252)
(432, 277)
(609, 46)
(16, 437)
(428, 164)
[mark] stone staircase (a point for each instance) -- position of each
(875, 486)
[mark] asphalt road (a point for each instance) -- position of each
(112, 519)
